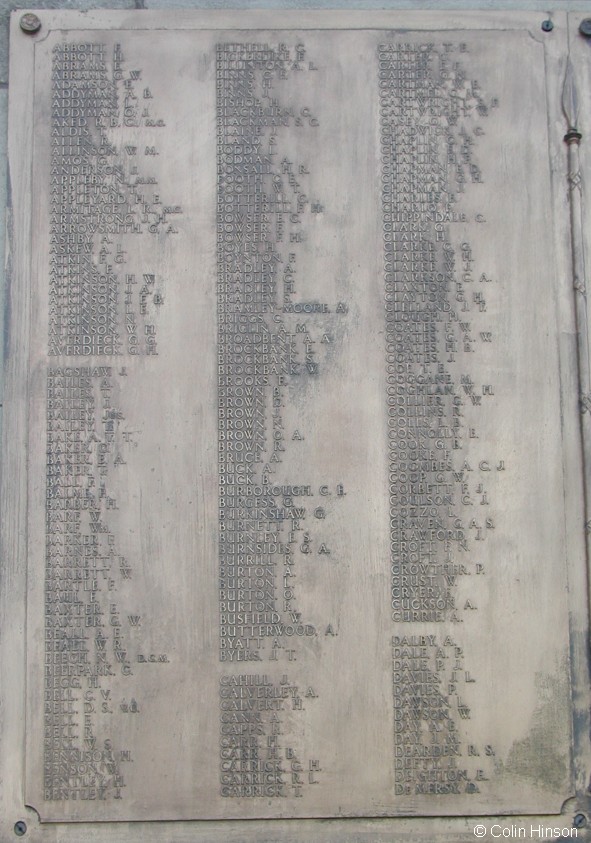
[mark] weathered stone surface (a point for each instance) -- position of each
(302, 503)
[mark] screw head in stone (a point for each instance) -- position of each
(20, 828)
(30, 23)
(547, 25)
(585, 27)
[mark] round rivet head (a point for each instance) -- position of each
(547, 25)
(20, 828)
(30, 23)
(585, 27)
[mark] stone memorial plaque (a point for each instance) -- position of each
(293, 508)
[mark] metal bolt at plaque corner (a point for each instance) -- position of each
(20, 828)
(547, 25)
(579, 821)
(585, 27)
(30, 23)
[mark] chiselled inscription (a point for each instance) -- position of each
(263, 347)
(257, 752)
(85, 637)
(279, 409)
(92, 651)
(429, 679)
(102, 200)
(435, 318)
(103, 302)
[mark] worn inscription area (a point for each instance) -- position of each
(435, 306)
(82, 564)
(283, 349)
(262, 206)
(96, 308)
(98, 198)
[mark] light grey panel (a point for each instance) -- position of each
(297, 504)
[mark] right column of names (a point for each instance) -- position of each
(435, 318)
